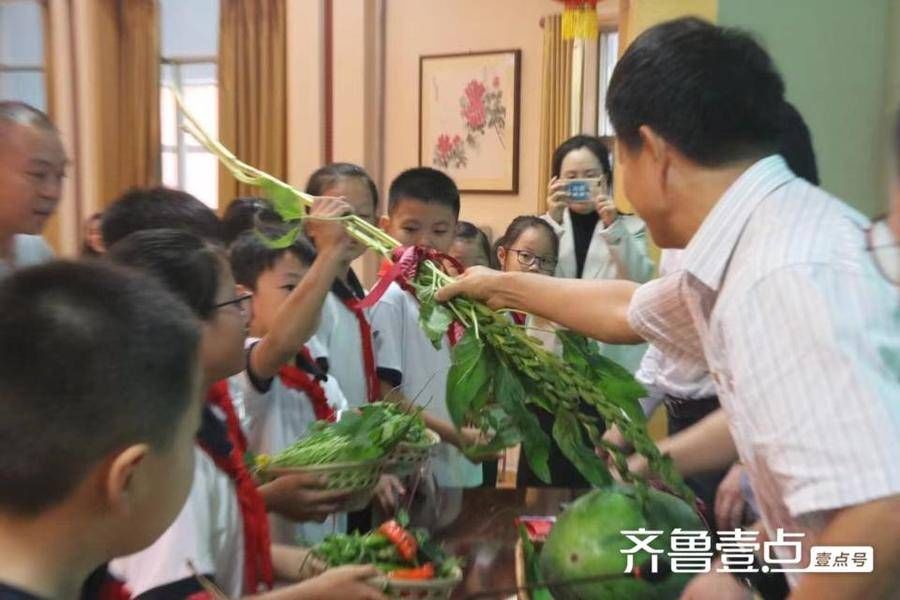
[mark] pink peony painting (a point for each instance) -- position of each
(468, 117)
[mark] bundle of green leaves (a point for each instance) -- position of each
(368, 434)
(396, 550)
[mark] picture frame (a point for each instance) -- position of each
(469, 118)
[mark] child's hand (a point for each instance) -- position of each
(323, 227)
(341, 583)
(301, 498)
(471, 437)
(388, 492)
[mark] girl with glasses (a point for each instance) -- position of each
(530, 245)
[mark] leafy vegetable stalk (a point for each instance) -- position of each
(498, 369)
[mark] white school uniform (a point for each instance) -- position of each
(339, 334)
(615, 252)
(208, 531)
(273, 419)
(401, 346)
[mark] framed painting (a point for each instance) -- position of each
(469, 118)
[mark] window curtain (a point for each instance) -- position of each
(252, 89)
(128, 69)
(51, 229)
(556, 100)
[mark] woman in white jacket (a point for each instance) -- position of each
(596, 241)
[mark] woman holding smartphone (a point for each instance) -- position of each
(596, 241)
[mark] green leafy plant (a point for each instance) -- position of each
(393, 548)
(499, 372)
(368, 435)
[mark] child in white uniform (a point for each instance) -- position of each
(279, 402)
(423, 208)
(345, 330)
(211, 529)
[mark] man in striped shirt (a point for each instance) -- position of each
(777, 293)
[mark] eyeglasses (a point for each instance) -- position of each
(239, 302)
(528, 259)
(885, 249)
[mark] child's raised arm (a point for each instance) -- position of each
(297, 317)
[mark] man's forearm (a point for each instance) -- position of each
(595, 308)
(876, 524)
(705, 446)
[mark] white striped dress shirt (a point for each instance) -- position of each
(800, 334)
(684, 376)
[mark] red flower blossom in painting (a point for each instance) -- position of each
(475, 91)
(449, 152)
(444, 145)
(482, 109)
(474, 115)
(472, 103)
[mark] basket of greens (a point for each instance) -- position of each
(349, 454)
(412, 565)
(414, 449)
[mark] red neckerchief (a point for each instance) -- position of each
(519, 318)
(257, 543)
(351, 294)
(365, 335)
(295, 378)
(113, 589)
(406, 261)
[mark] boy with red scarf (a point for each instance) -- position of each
(223, 528)
(284, 388)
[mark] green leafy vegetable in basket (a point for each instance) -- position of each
(368, 435)
(400, 553)
(498, 369)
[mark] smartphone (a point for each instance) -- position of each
(582, 190)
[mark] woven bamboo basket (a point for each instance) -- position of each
(407, 458)
(432, 589)
(356, 478)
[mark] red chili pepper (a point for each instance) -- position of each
(403, 540)
(426, 571)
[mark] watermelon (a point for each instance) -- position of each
(586, 541)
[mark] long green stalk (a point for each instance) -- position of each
(547, 381)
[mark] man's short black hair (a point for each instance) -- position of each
(186, 265)
(795, 145)
(712, 92)
(327, 176)
(252, 255)
(159, 208)
(426, 185)
(93, 357)
(247, 214)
